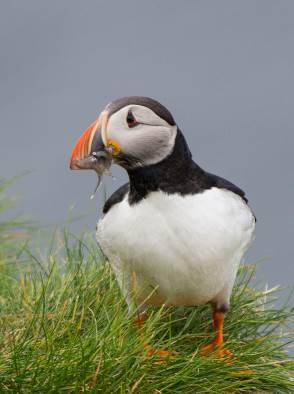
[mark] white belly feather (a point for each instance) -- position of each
(178, 250)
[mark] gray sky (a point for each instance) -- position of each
(223, 68)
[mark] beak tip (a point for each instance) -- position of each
(72, 165)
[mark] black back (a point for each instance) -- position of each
(177, 173)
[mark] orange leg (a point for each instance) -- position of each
(218, 340)
(149, 350)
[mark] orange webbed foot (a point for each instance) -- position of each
(217, 349)
(161, 354)
(150, 351)
(216, 346)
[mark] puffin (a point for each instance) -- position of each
(174, 234)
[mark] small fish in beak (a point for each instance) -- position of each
(101, 163)
(89, 153)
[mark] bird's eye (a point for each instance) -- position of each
(131, 121)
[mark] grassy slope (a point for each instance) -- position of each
(63, 328)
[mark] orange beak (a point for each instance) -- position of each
(82, 148)
(92, 140)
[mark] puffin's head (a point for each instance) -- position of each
(131, 131)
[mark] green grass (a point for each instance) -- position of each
(64, 328)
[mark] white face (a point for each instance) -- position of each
(148, 140)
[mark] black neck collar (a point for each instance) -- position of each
(174, 174)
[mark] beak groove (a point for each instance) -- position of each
(82, 156)
(104, 120)
(82, 147)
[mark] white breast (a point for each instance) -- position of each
(173, 249)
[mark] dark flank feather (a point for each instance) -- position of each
(116, 197)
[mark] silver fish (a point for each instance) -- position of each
(100, 162)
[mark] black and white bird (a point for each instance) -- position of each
(174, 234)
